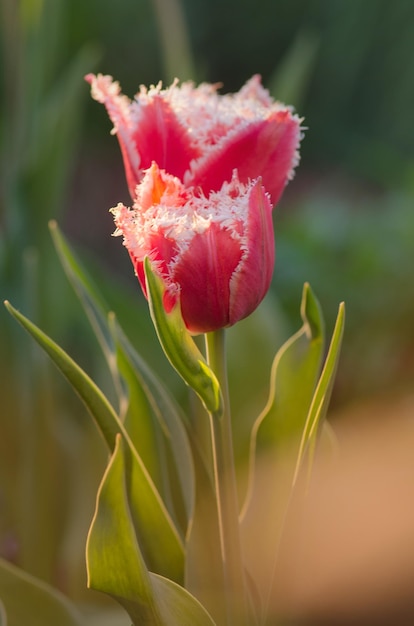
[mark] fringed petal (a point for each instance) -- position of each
(267, 148)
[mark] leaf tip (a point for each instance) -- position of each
(9, 307)
(311, 312)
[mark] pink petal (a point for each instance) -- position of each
(160, 250)
(254, 89)
(204, 272)
(251, 280)
(265, 148)
(160, 137)
(148, 130)
(118, 106)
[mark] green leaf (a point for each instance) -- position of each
(3, 616)
(150, 413)
(164, 547)
(178, 607)
(323, 392)
(293, 379)
(93, 305)
(279, 428)
(168, 422)
(92, 396)
(203, 547)
(290, 81)
(179, 347)
(115, 562)
(27, 600)
(142, 425)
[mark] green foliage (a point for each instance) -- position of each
(355, 248)
(150, 415)
(163, 544)
(26, 600)
(296, 366)
(94, 399)
(322, 394)
(179, 347)
(295, 410)
(115, 562)
(158, 522)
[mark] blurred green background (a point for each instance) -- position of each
(345, 224)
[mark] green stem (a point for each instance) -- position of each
(226, 488)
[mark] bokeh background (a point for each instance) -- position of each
(345, 224)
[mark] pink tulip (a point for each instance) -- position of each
(215, 253)
(200, 136)
(204, 171)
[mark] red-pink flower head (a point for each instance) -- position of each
(204, 171)
(200, 136)
(215, 254)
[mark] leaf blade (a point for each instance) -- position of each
(95, 401)
(27, 600)
(319, 407)
(154, 519)
(179, 346)
(116, 565)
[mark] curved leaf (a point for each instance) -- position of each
(203, 547)
(179, 346)
(166, 415)
(147, 399)
(323, 392)
(293, 379)
(3, 616)
(92, 396)
(27, 600)
(165, 550)
(91, 301)
(115, 562)
(178, 607)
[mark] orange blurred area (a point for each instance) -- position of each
(346, 550)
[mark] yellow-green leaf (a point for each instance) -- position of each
(115, 561)
(179, 346)
(27, 600)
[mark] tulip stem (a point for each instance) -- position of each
(226, 488)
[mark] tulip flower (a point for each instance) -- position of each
(200, 136)
(204, 171)
(215, 253)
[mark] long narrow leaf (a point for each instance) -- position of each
(323, 392)
(116, 565)
(294, 377)
(93, 305)
(123, 359)
(27, 600)
(92, 396)
(165, 551)
(203, 547)
(293, 380)
(3, 615)
(114, 559)
(167, 415)
(179, 347)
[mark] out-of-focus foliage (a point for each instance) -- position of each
(359, 93)
(345, 224)
(138, 550)
(358, 250)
